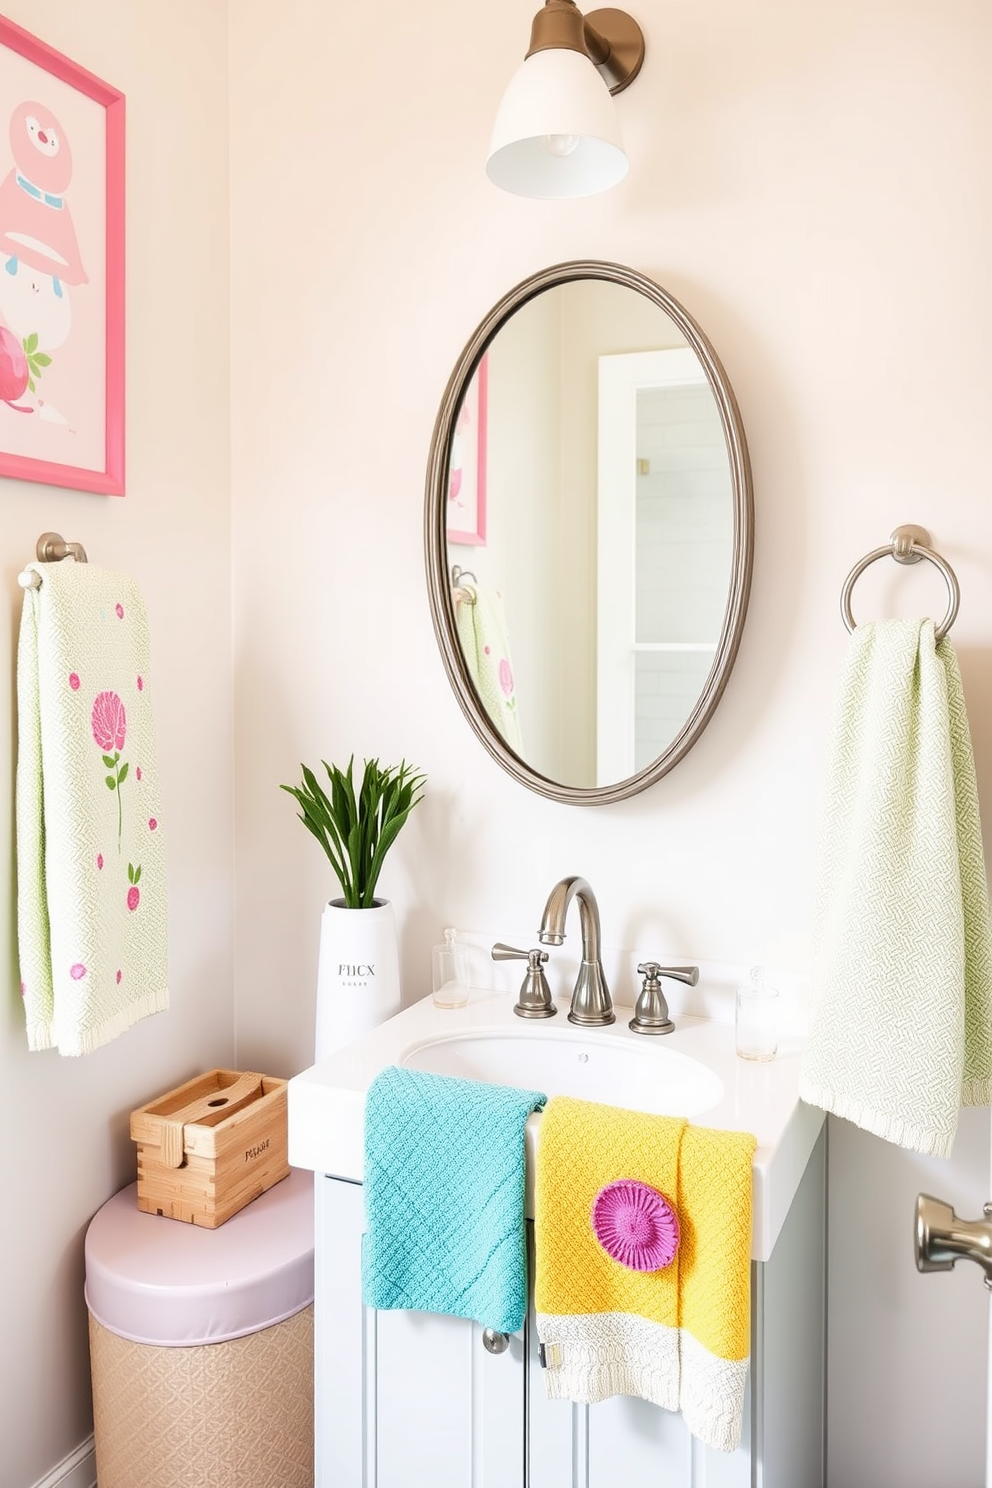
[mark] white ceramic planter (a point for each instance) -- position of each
(358, 975)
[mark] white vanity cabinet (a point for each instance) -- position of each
(412, 1400)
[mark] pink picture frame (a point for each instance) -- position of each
(62, 269)
(466, 514)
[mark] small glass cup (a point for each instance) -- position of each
(449, 973)
(757, 1019)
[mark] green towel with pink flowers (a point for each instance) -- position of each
(91, 891)
(481, 624)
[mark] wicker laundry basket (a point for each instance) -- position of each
(201, 1344)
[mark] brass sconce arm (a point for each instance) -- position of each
(611, 39)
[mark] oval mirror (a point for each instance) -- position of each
(589, 532)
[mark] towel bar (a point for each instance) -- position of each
(907, 544)
(51, 548)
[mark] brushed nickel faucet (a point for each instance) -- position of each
(592, 1005)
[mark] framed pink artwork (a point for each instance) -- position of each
(61, 270)
(466, 519)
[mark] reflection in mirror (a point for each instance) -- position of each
(588, 532)
(666, 525)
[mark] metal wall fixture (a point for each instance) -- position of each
(908, 544)
(942, 1238)
(50, 548)
(556, 133)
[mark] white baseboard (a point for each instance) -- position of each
(78, 1470)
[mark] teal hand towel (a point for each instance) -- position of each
(91, 891)
(901, 1033)
(444, 1197)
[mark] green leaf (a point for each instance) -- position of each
(30, 343)
(111, 782)
(137, 874)
(130, 873)
(43, 359)
(30, 384)
(109, 761)
(316, 818)
(123, 772)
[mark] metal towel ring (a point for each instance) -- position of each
(907, 545)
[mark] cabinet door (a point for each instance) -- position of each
(618, 1440)
(405, 1398)
(449, 1413)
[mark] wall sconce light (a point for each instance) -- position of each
(556, 132)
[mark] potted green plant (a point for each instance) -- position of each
(358, 983)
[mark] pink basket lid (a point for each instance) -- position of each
(161, 1281)
(635, 1225)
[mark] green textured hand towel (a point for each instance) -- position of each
(481, 626)
(901, 1035)
(91, 901)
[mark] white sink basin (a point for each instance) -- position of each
(693, 1072)
(639, 1076)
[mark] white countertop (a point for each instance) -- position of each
(327, 1101)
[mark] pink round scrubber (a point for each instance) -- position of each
(635, 1225)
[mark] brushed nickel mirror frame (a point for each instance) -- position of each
(435, 540)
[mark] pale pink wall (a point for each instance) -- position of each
(66, 1146)
(812, 183)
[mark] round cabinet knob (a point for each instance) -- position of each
(493, 1342)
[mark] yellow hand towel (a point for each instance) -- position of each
(678, 1336)
(91, 900)
(606, 1330)
(715, 1281)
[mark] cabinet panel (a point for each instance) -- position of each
(631, 1437)
(344, 1448)
(449, 1414)
(557, 1430)
(404, 1398)
(790, 1324)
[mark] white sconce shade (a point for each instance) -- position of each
(556, 132)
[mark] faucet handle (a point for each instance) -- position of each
(535, 994)
(652, 969)
(502, 952)
(651, 1013)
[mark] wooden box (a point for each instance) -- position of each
(209, 1147)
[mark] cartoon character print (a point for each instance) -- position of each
(39, 258)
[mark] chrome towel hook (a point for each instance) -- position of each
(907, 544)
